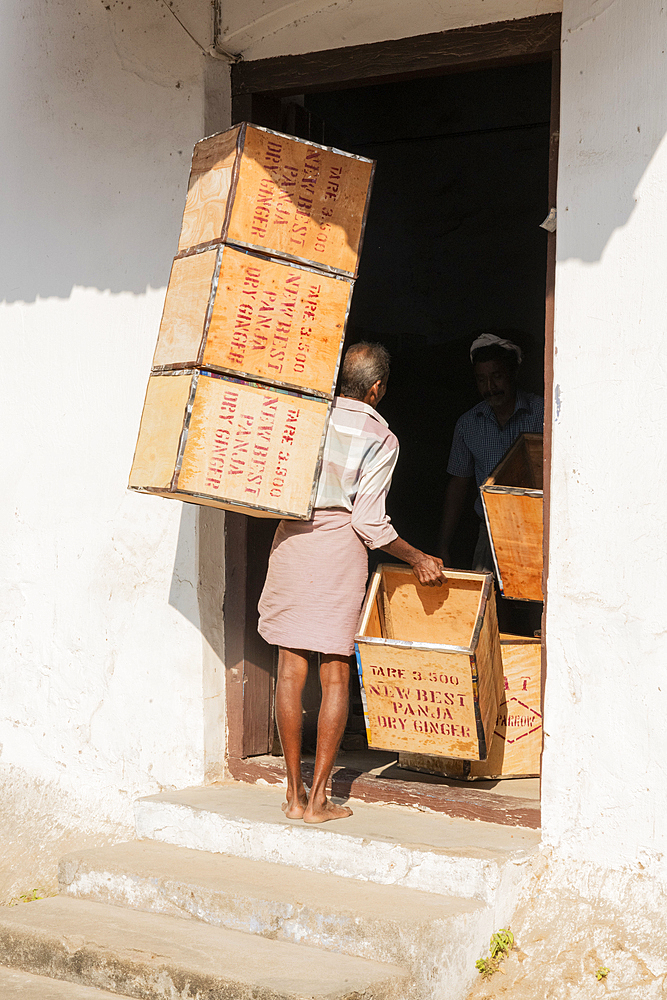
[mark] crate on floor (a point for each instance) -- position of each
(512, 498)
(516, 746)
(429, 663)
(278, 194)
(254, 317)
(222, 442)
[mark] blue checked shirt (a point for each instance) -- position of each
(479, 443)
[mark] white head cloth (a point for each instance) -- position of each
(489, 339)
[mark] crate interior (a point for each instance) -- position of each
(522, 466)
(403, 609)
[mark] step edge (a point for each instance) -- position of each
(11, 921)
(339, 854)
(374, 937)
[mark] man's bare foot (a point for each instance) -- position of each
(325, 811)
(295, 805)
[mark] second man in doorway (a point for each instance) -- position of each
(483, 435)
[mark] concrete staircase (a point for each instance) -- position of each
(222, 897)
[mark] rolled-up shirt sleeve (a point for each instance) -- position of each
(369, 516)
(461, 459)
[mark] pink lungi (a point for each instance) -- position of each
(315, 584)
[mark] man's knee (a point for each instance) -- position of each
(334, 673)
(292, 667)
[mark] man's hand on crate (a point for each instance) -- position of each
(429, 570)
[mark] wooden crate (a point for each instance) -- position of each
(254, 317)
(429, 663)
(277, 194)
(221, 442)
(512, 498)
(516, 746)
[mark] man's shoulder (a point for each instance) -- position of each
(359, 417)
(533, 398)
(532, 402)
(470, 417)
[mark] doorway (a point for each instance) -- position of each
(452, 246)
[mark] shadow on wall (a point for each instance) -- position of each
(100, 112)
(96, 157)
(197, 581)
(606, 145)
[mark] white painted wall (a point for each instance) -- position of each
(263, 28)
(107, 688)
(605, 781)
(103, 666)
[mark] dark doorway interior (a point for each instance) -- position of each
(452, 246)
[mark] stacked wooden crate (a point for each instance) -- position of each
(254, 319)
(429, 663)
(513, 498)
(516, 745)
(439, 684)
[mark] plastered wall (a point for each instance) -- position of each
(604, 794)
(260, 30)
(108, 689)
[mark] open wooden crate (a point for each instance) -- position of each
(256, 318)
(429, 663)
(516, 747)
(279, 195)
(512, 499)
(225, 443)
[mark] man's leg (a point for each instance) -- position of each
(334, 678)
(292, 674)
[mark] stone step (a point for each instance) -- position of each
(17, 985)
(436, 938)
(391, 845)
(156, 957)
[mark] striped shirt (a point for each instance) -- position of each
(479, 442)
(360, 454)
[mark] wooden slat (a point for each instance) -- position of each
(246, 446)
(464, 803)
(213, 161)
(234, 613)
(420, 700)
(259, 657)
(516, 532)
(160, 431)
(421, 55)
(248, 659)
(445, 614)
(277, 323)
(423, 700)
(300, 200)
(515, 518)
(182, 327)
(521, 466)
(516, 746)
(489, 670)
(252, 445)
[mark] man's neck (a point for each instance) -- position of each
(503, 414)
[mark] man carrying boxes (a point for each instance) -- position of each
(318, 569)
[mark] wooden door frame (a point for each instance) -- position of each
(257, 87)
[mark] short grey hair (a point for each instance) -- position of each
(363, 365)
